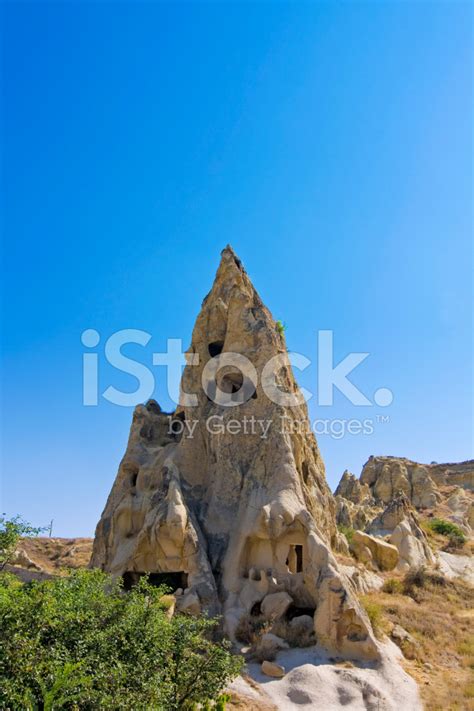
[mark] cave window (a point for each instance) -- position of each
(294, 560)
(133, 479)
(299, 559)
(215, 348)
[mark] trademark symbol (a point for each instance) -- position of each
(383, 419)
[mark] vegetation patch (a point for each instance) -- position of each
(280, 327)
(393, 586)
(375, 614)
(455, 536)
(347, 531)
(81, 643)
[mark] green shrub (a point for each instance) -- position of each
(80, 642)
(280, 327)
(347, 531)
(392, 586)
(446, 528)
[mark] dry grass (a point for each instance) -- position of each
(375, 614)
(294, 635)
(54, 554)
(251, 629)
(439, 615)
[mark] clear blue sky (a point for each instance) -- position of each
(330, 143)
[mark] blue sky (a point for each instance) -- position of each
(330, 143)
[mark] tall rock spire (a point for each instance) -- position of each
(227, 496)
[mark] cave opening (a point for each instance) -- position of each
(174, 580)
(215, 348)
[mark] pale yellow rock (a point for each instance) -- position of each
(272, 669)
(384, 555)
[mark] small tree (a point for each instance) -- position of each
(11, 530)
(79, 642)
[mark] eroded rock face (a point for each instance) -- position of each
(232, 514)
(446, 490)
(352, 489)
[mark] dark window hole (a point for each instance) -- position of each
(256, 610)
(215, 348)
(295, 559)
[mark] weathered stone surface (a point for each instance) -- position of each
(351, 488)
(238, 514)
(188, 603)
(363, 580)
(400, 521)
(275, 605)
(384, 555)
(303, 624)
(412, 546)
(272, 669)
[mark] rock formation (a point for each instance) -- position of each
(240, 518)
(351, 489)
(424, 484)
(390, 496)
(445, 490)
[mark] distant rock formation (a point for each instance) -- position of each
(391, 494)
(233, 518)
(422, 483)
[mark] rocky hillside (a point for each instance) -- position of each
(40, 557)
(409, 528)
(445, 490)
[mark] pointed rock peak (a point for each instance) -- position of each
(229, 252)
(232, 296)
(230, 262)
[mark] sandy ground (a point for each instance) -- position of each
(314, 681)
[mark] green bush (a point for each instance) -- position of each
(80, 642)
(446, 528)
(280, 327)
(347, 531)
